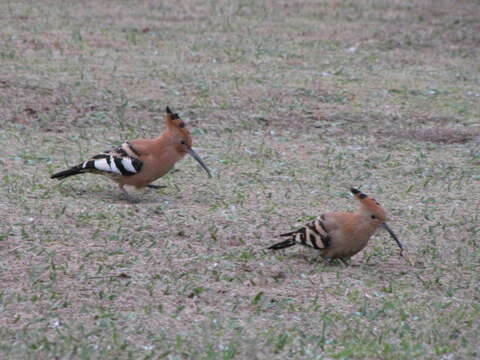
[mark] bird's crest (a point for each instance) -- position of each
(172, 119)
(176, 128)
(369, 204)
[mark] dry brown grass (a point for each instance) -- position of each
(437, 135)
(290, 103)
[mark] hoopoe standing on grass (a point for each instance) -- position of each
(142, 161)
(340, 235)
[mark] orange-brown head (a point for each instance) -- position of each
(176, 127)
(182, 140)
(370, 206)
(375, 213)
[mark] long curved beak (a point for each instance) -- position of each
(392, 234)
(199, 160)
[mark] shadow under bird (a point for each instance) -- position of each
(340, 235)
(139, 162)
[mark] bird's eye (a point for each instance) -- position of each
(183, 142)
(374, 217)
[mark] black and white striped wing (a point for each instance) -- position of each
(115, 161)
(314, 234)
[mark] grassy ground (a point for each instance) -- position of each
(289, 103)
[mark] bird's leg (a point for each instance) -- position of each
(152, 186)
(335, 261)
(344, 261)
(318, 258)
(127, 195)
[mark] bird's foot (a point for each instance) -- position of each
(129, 198)
(316, 260)
(343, 261)
(133, 200)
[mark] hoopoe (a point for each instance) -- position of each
(142, 161)
(340, 235)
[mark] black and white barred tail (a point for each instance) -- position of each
(283, 244)
(313, 235)
(108, 163)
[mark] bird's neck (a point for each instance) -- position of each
(163, 137)
(166, 148)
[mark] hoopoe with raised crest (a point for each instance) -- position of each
(340, 235)
(140, 162)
